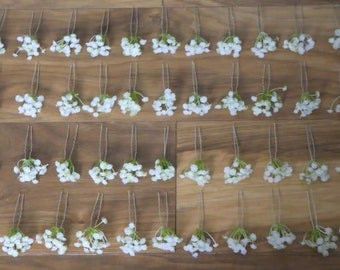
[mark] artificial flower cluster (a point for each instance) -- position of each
(92, 240)
(66, 171)
(238, 171)
(130, 102)
(66, 45)
(308, 103)
(15, 242)
(335, 40)
(101, 104)
(264, 44)
(102, 172)
(53, 239)
(69, 104)
(197, 173)
(279, 236)
(98, 45)
(165, 104)
(28, 170)
(233, 102)
(197, 45)
(238, 240)
(132, 45)
(163, 170)
(2, 47)
(131, 171)
(200, 241)
(31, 104)
(131, 241)
(166, 239)
(165, 43)
(313, 171)
(299, 43)
(267, 102)
(229, 45)
(320, 238)
(196, 104)
(276, 171)
(30, 45)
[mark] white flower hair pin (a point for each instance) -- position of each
(132, 45)
(69, 43)
(29, 42)
(201, 241)
(231, 44)
(279, 235)
(92, 239)
(16, 242)
(131, 242)
(320, 238)
(197, 170)
(239, 170)
(28, 168)
(99, 44)
(2, 22)
(66, 171)
(197, 45)
(165, 42)
(31, 101)
(239, 238)
(163, 170)
(165, 238)
(275, 170)
(132, 170)
(54, 238)
(102, 172)
(233, 100)
(314, 169)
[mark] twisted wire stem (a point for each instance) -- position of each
(65, 201)
(18, 210)
(97, 207)
(28, 141)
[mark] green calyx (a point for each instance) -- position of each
(164, 163)
(26, 162)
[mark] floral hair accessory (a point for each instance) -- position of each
(163, 169)
(2, 21)
(239, 238)
(99, 43)
(165, 238)
(268, 101)
(103, 103)
(29, 43)
(335, 40)
(29, 168)
(131, 241)
(102, 171)
(233, 100)
(165, 42)
(239, 170)
(65, 168)
(70, 41)
(165, 104)
(130, 102)
(197, 45)
(314, 169)
(54, 238)
(197, 171)
(132, 170)
(275, 170)
(335, 105)
(92, 239)
(308, 101)
(31, 102)
(132, 45)
(319, 238)
(279, 235)
(16, 241)
(196, 103)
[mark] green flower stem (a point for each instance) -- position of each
(200, 233)
(164, 163)
(55, 230)
(14, 231)
(281, 228)
(200, 164)
(199, 39)
(164, 231)
(241, 163)
(133, 39)
(134, 95)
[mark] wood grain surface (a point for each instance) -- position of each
(214, 77)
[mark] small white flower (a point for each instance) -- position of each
(30, 45)
(131, 172)
(165, 43)
(164, 105)
(233, 102)
(53, 239)
(165, 239)
(196, 104)
(238, 240)
(163, 170)
(132, 45)
(335, 40)
(131, 242)
(31, 104)
(102, 172)
(313, 171)
(16, 242)
(98, 45)
(71, 103)
(29, 169)
(299, 43)
(102, 104)
(130, 102)
(331, 108)
(276, 171)
(197, 173)
(197, 45)
(66, 45)
(239, 171)
(264, 44)
(308, 103)
(229, 45)
(201, 241)
(2, 47)
(66, 171)
(279, 236)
